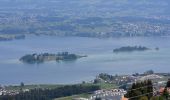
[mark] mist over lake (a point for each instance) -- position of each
(101, 58)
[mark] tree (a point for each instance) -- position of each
(144, 88)
(144, 98)
(98, 99)
(157, 98)
(136, 93)
(96, 81)
(150, 88)
(50, 94)
(22, 84)
(168, 84)
(166, 94)
(149, 72)
(83, 82)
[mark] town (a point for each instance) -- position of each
(37, 20)
(118, 91)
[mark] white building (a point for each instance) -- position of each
(113, 94)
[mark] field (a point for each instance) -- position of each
(102, 86)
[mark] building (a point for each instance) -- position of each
(80, 99)
(161, 90)
(113, 94)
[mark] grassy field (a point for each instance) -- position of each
(102, 86)
(42, 86)
(74, 96)
(52, 86)
(106, 85)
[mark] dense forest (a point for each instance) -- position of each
(49, 94)
(140, 89)
(145, 91)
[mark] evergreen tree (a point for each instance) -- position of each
(150, 88)
(168, 84)
(144, 98)
(140, 89)
(165, 92)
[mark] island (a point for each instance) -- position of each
(6, 37)
(44, 57)
(130, 49)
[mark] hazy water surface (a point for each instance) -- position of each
(100, 58)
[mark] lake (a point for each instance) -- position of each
(101, 58)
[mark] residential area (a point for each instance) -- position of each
(122, 85)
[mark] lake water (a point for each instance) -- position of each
(100, 59)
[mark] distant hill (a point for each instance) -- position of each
(87, 18)
(117, 7)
